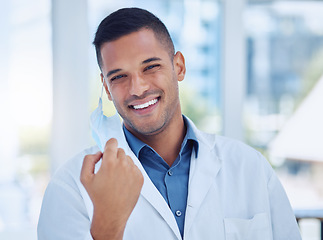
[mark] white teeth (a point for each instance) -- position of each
(147, 104)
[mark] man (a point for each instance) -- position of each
(157, 176)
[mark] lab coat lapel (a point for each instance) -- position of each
(203, 171)
(152, 195)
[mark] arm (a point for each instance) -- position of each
(282, 216)
(114, 190)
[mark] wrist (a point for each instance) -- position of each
(106, 230)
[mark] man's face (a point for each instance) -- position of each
(142, 81)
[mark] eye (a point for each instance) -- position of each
(151, 67)
(117, 77)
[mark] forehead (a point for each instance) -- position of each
(131, 49)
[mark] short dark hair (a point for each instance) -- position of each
(128, 20)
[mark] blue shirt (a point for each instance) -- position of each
(171, 181)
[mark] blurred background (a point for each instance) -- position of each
(254, 73)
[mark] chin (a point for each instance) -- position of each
(149, 130)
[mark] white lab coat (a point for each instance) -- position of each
(233, 194)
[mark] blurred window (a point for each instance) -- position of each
(285, 59)
(26, 107)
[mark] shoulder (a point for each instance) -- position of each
(70, 170)
(239, 157)
(234, 147)
(65, 188)
(233, 153)
(222, 145)
(227, 147)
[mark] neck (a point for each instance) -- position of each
(167, 143)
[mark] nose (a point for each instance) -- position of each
(138, 85)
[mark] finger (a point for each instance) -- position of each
(111, 147)
(129, 159)
(88, 166)
(112, 142)
(121, 154)
(139, 176)
(110, 151)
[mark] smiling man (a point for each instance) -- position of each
(157, 176)
(142, 81)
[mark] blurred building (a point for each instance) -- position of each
(283, 46)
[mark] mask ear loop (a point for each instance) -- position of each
(102, 85)
(100, 101)
(104, 81)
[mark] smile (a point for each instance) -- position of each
(145, 105)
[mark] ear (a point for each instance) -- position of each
(105, 86)
(179, 66)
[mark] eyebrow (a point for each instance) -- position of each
(113, 71)
(151, 60)
(143, 62)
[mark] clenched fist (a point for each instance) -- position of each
(114, 190)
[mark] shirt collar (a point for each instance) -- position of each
(136, 145)
(190, 136)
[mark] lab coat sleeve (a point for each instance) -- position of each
(63, 215)
(284, 223)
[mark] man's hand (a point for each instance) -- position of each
(114, 190)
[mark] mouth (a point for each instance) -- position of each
(145, 105)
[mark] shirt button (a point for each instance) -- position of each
(178, 213)
(170, 173)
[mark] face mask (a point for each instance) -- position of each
(103, 128)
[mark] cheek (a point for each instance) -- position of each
(117, 94)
